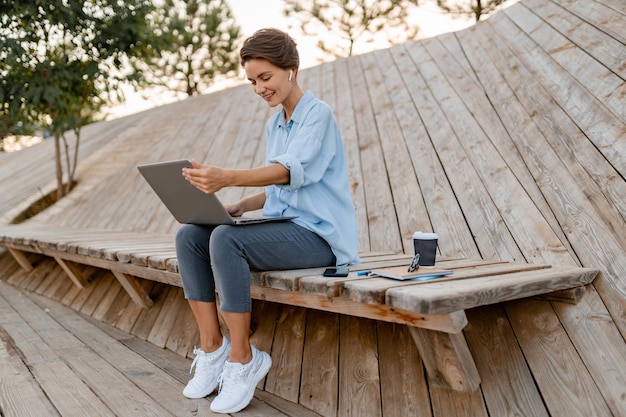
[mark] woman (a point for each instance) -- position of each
(305, 176)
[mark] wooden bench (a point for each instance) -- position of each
(433, 310)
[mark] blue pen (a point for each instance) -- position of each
(363, 273)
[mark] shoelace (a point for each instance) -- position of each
(197, 351)
(227, 380)
(195, 360)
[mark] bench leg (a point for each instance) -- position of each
(73, 272)
(447, 359)
(133, 289)
(20, 258)
(570, 296)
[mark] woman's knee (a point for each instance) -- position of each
(189, 235)
(224, 241)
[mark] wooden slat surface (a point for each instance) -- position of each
(507, 139)
(473, 283)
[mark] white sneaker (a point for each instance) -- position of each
(238, 381)
(209, 367)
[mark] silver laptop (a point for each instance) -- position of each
(186, 203)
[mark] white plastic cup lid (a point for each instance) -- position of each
(425, 236)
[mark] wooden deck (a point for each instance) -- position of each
(55, 362)
(508, 139)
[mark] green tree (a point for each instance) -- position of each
(476, 8)
(199, 43)
(340, 24)
(63, 60)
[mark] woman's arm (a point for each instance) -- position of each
(251, 203)
(210, 179)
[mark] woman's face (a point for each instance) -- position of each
(270, 82)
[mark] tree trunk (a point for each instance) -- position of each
(58, 165)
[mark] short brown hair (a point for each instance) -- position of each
(272, 44)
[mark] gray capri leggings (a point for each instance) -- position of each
(221, 257)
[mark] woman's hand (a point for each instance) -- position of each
(254, 202)
(236, 209)
(208, 179)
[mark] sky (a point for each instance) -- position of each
(254, 15)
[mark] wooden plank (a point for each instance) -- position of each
(132, 311)
(471, 194)
(107, 299)
(283, 378)
(64, 288)
(579, 155)
(373, 290)
(39, 273)
(447, 359)
(80, 300)
(319, 386)
(359, 377)
(73, 271)
(601, 126)
(572, 295)
(159, 387)
(140, 252)
(146, 319)
(501, 167)
(61, 283)
(606, 18)
(383, 226)
(596, 231)
(409, 210)
(591, 330)
(403, 387)
(565, 384)
(600, 81)
(547, 137)
(263, 326)
(452, 322)
(52, 373)
(178, 368)
(312, 281)
(164, 321)
(506, 381)
(458, 295)
(141, 272)
(101, 288)
(448, 403)
(116, 309)
(20, 258)
(100, 248)
(184, 330)
(479, 129)
(346, 118)
(441, 210)
(7, 263)
(587, 37)
(134, 289)
(20, 394)
(18, 276)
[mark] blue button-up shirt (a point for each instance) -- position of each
(309, 145)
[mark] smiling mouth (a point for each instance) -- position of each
(268, 97)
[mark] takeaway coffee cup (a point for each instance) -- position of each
(426, 245)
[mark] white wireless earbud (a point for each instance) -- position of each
(290, 74)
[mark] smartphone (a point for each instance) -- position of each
(341, 271)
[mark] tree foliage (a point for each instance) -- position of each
(199, 43)
(63, 60)
(475, 9)
(342, 24)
